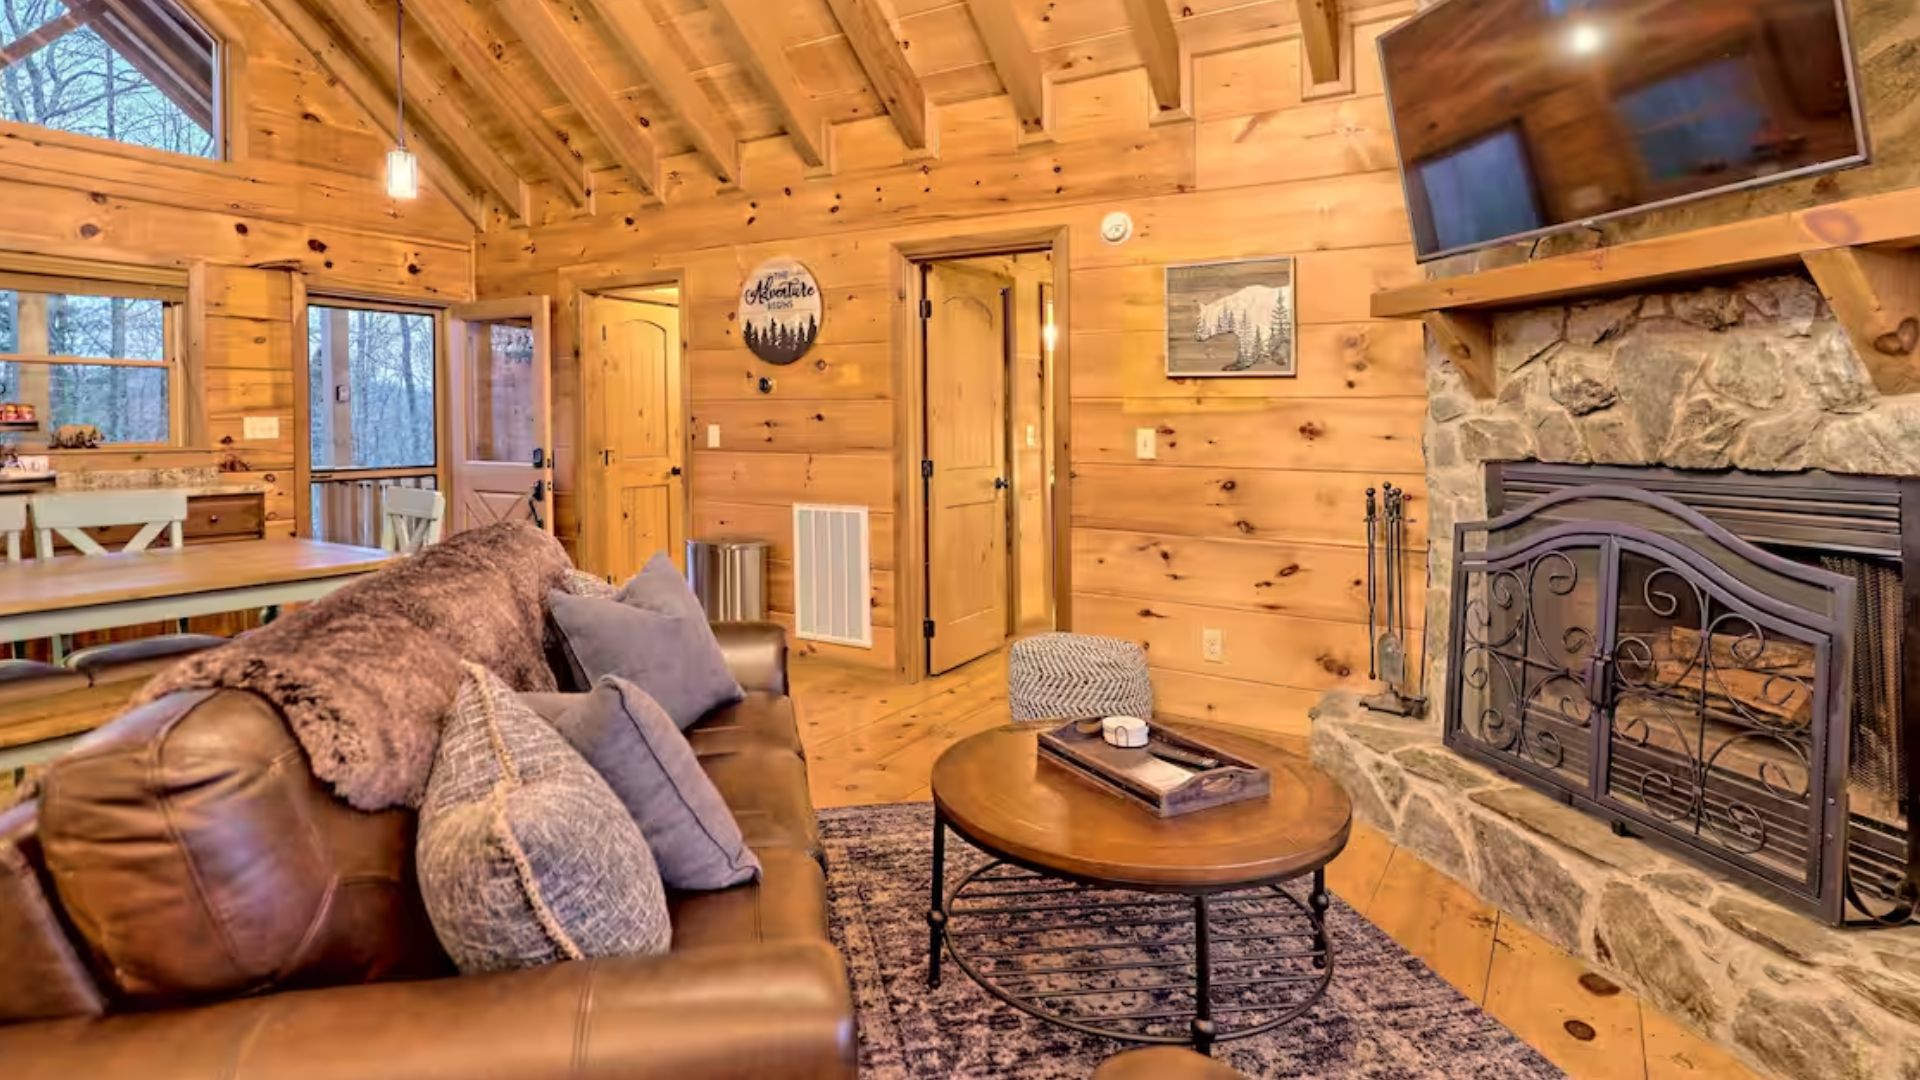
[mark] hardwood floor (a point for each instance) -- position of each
(873, 740)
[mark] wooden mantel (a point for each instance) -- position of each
(1863, 253)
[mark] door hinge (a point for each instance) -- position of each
(926, 468)
(926, 627)
(926, 307)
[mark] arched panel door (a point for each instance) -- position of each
(968, 606)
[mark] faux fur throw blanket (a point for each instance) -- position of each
(365, 675)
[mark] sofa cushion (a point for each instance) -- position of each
(757, 720)
(526, 856)
(671, 655)
(767, 791)
(195, 855)
(788, 903)
(625, 735)
(42, 976)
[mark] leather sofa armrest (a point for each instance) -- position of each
(756, 653)
(751, 1012)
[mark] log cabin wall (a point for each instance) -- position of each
(301, 191)
(1248, 521)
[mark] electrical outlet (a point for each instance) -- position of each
(713, 436)
(1146, 443)
(1213, 646)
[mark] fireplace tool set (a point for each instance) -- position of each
(1387, 619)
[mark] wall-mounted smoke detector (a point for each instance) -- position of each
(1116, 228)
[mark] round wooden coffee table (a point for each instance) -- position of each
(1094, 913)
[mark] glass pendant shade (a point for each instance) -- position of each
(403, 173)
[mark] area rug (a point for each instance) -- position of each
(1386, 1015)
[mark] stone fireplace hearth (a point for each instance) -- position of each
(1755, 376)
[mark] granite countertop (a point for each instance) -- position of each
(193, 481)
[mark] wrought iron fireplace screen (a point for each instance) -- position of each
(1617, 648)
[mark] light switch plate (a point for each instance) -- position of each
(1033, 436)
(1213, 646)
(260, 427)
(1145, 444)
(713, 436)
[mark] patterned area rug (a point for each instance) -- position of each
(1384, 1016)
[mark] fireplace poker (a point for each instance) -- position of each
(1373, 586)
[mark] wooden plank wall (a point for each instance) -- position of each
(242, 320)
(1249, 521)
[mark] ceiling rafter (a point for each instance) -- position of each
(365, 32)
(556, 160)
(1015, 62)
(1160, 50)
(766, 55)
(1320, 38)
(539, 30)
(376, 102)
(885, 63)
(640, 38)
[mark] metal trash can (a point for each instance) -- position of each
(729, 577)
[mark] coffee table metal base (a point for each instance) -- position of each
(1149, 967)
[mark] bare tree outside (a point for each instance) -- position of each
(75, 81)
(384, 363)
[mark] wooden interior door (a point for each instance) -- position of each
(967, 483)
(637, 427)
(502, 414)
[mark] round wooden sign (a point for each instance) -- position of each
(779, 311)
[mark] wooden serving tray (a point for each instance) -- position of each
(1161, 787)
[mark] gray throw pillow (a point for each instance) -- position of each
(660, 587)
(671, 654)
(525, 856)
(648, 763)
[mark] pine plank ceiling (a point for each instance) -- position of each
(564, 93)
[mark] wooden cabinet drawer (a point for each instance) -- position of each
(240, 516)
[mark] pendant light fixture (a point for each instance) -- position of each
(403, 169)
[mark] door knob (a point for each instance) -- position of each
(999, 483)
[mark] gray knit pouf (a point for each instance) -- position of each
(1077, 677)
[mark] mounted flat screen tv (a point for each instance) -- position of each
(1516, 118)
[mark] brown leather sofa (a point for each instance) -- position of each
(212, 911)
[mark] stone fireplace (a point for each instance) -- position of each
(1697, 408)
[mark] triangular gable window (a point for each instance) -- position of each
(135, 71)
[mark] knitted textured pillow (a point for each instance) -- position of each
(526, 857)
(1077, 677)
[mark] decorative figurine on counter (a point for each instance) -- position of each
(76, 437)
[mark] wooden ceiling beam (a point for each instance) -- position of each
(1320, 38)
(539, 30)
(539, 140)
(885, 63)
(766, 55)
(365, 31)
(375, 101)
(640, 38)
(1160, 51)
(1015, 62)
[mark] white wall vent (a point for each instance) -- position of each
(832, 577)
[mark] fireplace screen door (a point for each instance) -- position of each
(1617, 649)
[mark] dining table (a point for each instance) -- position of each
(74, 594)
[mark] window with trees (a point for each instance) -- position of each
(371, 385)
(93, 354)
(143, 72)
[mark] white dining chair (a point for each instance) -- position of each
(13, 525)
(411, 518)
(152, 514)
(69, 514)
(21, 679)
